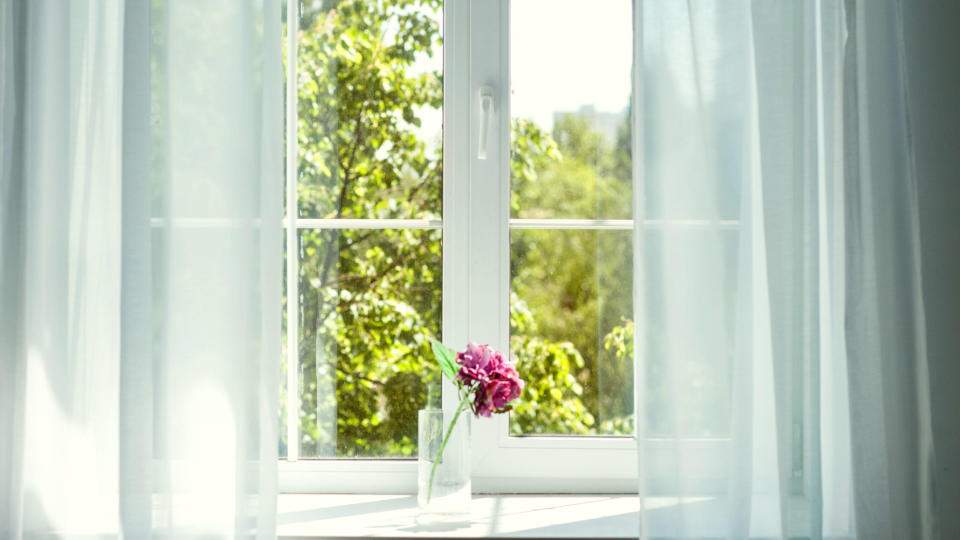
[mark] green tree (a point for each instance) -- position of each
(552, 400)
(575, 283)
(368, 297)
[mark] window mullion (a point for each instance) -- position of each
(489, 198)
(457, 206)
(364, 224)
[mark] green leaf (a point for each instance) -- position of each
(446, 358)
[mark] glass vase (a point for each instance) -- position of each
(448, 500)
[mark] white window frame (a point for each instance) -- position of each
(502, 463)
(476, 284)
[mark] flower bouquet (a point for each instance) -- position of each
(486, 383)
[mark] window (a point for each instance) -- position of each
(518, 234)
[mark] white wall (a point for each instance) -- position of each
(932, 39)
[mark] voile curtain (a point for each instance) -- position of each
(777, 266)
(778, 269)
(140, 207)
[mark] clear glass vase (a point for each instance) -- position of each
(448, 500)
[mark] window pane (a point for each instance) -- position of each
(570, 77)
(695, 110)
(690, 340)
(571, 330)
(369, 105)
(368, 299)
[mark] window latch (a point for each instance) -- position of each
(486, 114)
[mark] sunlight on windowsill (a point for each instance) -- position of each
(534, 516)
(519, 516)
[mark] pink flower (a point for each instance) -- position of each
(482, 406)
(477, 363)
(494, 380)
(502, 391)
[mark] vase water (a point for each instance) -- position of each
(443, 475)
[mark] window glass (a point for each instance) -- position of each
(571, 325)
(690, 341)
(571, 295)
(369, 109)
(693, 169)
(368, 117)
(570, 83)
(367, 298)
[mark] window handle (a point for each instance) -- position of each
(486, 114)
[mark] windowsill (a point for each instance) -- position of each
(493, 516)
(529, 516)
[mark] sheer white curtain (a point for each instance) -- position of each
(140, 185)
(782, 366)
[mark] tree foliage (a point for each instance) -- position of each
(576, 283)
(368, 297)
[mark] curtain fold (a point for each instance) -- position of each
(782, 306)
(139, 268)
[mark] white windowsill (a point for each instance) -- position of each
(493, 516)
(529, 516)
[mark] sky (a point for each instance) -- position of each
(568, 53)
(564, 54)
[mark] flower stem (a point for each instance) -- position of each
(443, 444)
